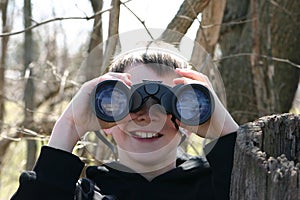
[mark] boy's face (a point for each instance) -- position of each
(149, 133)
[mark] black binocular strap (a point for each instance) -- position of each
(107, 143)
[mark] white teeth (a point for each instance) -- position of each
(145, 135)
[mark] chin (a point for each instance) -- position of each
(148, 161)
(153, 160)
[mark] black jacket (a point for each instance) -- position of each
(56, 173)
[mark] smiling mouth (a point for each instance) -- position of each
(145, 135)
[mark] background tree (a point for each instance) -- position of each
(259, 41)
(96, 38)
(29, 91)
(182, 21)
(4, 41)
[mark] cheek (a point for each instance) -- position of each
(117, 134)
(172, 132)
(121, 138)
(170, 126)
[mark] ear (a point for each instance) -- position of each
(107, 131)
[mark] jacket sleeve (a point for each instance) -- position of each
(220, 157)
(53, 177)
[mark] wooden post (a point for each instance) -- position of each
(267, 159)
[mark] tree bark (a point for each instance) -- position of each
(267, 159)
(235, 39)
(254, 33)
(205, 43)
(209, 29)
(182, 21)
(285, 43)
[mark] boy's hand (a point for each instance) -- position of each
(78, 118)
(221, 122)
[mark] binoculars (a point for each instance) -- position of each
(191, 104)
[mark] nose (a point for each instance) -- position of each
(150, 111)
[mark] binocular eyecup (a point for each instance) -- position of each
(191, 104)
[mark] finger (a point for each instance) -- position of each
(124, 77)
(178, 81)
(188, 73)
(119, 75)
(184, 80)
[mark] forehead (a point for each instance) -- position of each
(140, 72)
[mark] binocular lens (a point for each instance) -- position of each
(187, 105)
(111, 102)
(193, 104)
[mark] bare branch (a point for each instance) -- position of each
(139, 19)
(53, 20)
(283, 8)
(182, 21)
(262, 56)
(235, 22)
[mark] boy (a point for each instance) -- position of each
(147, 141)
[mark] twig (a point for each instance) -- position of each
(228, 23)
(262, 56)
(142, 22)
(52, 20)
(282, 8)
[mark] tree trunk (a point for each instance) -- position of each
(236, 71)
(96, 35)
(285, 43)
(113, 30)
(4, 42)
(182, 21)
(253, 35)
(29, 86)
(206, 38)
(209, 29)
(92, 68)
(267, 159)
